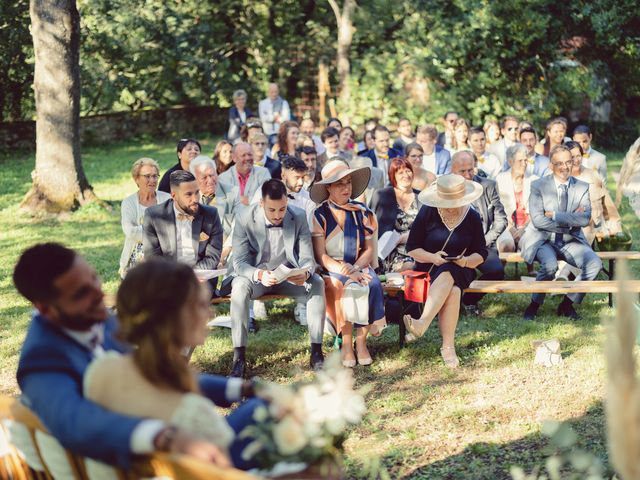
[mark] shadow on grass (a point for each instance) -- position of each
(492, 461)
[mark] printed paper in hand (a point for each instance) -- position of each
(387, 242)
(283, 272)
(209, 274)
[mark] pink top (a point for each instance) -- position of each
(242, 180)
(522, 217)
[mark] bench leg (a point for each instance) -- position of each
(402, 330)
(612, 266)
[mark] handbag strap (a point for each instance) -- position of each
(444, 246)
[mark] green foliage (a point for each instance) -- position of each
(534, 58)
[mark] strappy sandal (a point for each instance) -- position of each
(449, 357)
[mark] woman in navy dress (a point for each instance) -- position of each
(446, 227)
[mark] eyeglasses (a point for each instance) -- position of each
(254, 125)
(151, 176)
(563, 164)
(512, 129)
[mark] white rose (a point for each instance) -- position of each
(289, 436)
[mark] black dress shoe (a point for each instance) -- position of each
(238, 368)
(567, 310)
(317, 360)
(252, 326)
(531, 311)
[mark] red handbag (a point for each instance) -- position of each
(416, 285)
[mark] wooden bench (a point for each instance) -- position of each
(609, 257)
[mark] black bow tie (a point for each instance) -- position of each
(291, 196)
(274, 226)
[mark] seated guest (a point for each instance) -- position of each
(514, 187)
(555, 132)
(436, 159)
(183, 229)
(259, 144)
(344, 234)
(347, 142)
(243, 178)
(509, 131)
(422, 177)
(560, 207)
(492, 131)
(309, 156)
(381, 155)
(591, 158)
(238, 115)
(145, 174)
(405, 136)
(446, 137)
(334, 122)
(396, 207)
(605, 219)
(304, 141)
(287, 138)
(308, 128)
(460, 140)
(494, 222)
(265, 236)
(446, 226)
(253, 126)
(331, 141)
(222, 156)
(537, 164)
(155, 380)
(71, 328)
(488, 163)
(204, 169)
(367, 143)
(187, 150)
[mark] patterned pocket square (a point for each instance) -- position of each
(203, 237)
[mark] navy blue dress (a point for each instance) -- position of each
(429, 233)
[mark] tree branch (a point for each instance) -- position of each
(336, 10)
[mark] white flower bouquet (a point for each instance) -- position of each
(305, 423)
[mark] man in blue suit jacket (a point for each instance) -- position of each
(381, 155)
(559, 207)
(72, 326)
(436, 159)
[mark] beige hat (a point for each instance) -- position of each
(450, 191)
(336, 170)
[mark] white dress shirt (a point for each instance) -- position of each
(184, 242)
(429, 162)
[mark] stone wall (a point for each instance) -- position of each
(100, 129)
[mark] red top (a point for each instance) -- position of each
(242, 180)
(522, 217)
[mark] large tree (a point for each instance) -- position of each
(59, 182)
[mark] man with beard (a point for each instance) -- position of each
(182, 228)
(72, 327)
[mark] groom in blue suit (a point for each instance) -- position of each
(72, 326)
(559, 207)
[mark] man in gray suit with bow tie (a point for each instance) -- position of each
(182, 228)
(559, 207)
(265, 236)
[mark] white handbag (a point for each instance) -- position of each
(355, 303)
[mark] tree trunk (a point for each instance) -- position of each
(59, 182)
(345, 36)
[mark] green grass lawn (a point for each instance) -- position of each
(424, 421)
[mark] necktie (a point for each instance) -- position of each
(209, 199)
(184, 216)
(564, 201)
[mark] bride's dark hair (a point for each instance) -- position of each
(150, 301)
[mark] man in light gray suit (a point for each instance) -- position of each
(238, 184)
(559, 207)
(182, 228)
(265, 236)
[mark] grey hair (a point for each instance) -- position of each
(514, 149)
(141, 162)
(199, 161)
(239, 93)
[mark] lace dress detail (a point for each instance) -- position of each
(398, 256)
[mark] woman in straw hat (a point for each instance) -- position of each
(447, 241)
(344, 244)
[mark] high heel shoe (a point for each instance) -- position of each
(449, 357)
(416, 328)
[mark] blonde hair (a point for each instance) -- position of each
(141, 162)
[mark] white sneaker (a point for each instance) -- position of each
(259, 310)
(300, 313)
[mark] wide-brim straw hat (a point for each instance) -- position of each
(336, 170)
(450, 191)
